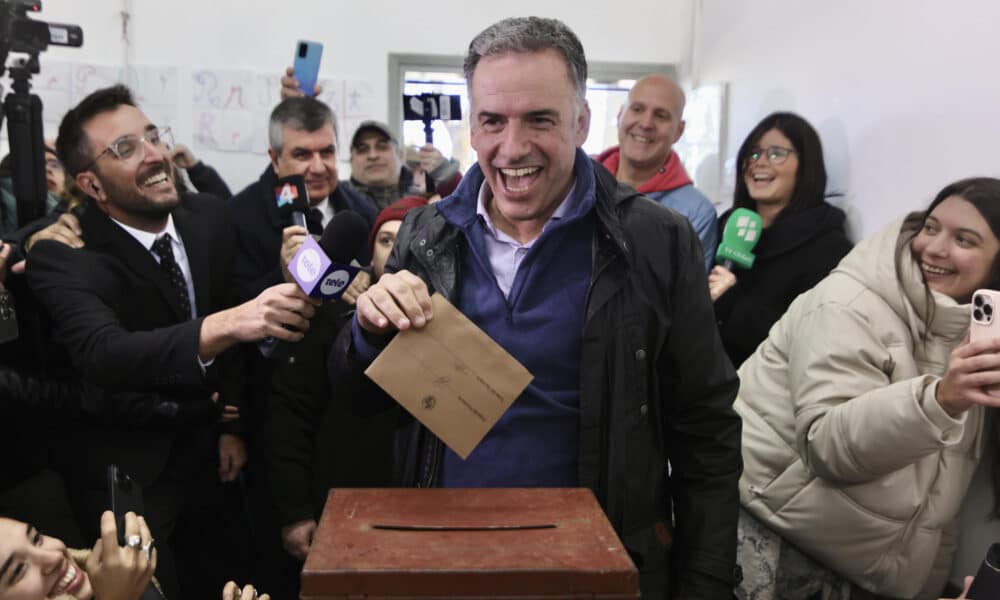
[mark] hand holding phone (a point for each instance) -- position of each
(306, 65)
(126, 496)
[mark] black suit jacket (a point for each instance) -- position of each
(118, 317)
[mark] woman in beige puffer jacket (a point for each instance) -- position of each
(861, 428)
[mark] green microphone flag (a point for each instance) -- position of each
(739, 238)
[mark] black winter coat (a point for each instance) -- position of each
(655, 386)
(794, 254)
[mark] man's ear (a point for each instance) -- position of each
(90, 185)
(680, 131)
(274, 160)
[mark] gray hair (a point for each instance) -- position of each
(302, 113)
(530, 34)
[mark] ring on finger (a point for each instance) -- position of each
(148, 549)
(133, 541)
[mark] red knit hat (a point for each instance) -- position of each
(394, 212)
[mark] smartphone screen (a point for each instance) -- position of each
(126, 496)
(306, 65)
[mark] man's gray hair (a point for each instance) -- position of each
(301, 113)
(530, 34)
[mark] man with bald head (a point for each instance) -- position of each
(649, 124)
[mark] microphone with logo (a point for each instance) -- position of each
(323, 269)
(292, 198)
(739, 238)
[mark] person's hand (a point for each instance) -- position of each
(290, 86)
(397, 301)
(972, 368)
(66, 229)
(430, 158)
(297, 538)
(232, 456)
(182, 157)
(121, 572)
(720, 279)
(232, 591)
(362, 281)
(292, 238)
(272, 312)
(965, 591)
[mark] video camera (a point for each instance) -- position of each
(23, 110)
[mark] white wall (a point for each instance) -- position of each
(905, 94)
(358, 36)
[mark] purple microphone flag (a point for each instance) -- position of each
(317, 275)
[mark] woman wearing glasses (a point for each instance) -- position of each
(865, 415)
(782, 177)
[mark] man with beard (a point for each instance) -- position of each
(142, 310)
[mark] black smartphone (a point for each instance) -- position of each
(126, 496)
(986, 585)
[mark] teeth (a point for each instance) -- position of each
(642, 138)
(68, 577)
(520, 172)
(936, 270)
(155, 179)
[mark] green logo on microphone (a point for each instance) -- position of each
(739, 238)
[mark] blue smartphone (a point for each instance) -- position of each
(306, 65)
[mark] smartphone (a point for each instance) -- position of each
(125, 495)
(984, 325)
(986, 585)
(306, 65)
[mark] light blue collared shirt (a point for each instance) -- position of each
(506, 253)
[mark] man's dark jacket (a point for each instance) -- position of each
(258, 228)
(116, 313)
(655, 385)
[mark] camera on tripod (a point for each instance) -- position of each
(22, 109)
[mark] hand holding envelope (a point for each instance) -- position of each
(449, 374)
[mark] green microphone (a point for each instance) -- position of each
(739, 238)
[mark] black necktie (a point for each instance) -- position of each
(314, 221)
(161, 247)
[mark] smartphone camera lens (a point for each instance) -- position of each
(978, 300)
(988, 310)
(302, 50)
(977, 315)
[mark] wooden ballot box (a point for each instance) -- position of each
(466, 543)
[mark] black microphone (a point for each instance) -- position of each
(292, 198)
(345, 237)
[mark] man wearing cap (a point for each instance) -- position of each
(378, 171)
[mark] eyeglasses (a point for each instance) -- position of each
(53, 164)
(776, 155)
(126, 146)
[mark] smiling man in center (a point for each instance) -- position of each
(599, 293)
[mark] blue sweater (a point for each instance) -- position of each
(535, 443)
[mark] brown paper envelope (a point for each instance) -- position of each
(451, 376)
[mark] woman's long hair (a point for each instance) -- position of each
(984, 194)
(810, 177)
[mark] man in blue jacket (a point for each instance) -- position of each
(649, 124)
(600, 293)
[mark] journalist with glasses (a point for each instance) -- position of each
(782, 177)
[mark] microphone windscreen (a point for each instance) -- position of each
(290, 195)
(739, 238)
(345, 237)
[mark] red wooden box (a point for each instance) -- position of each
(466, 543)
